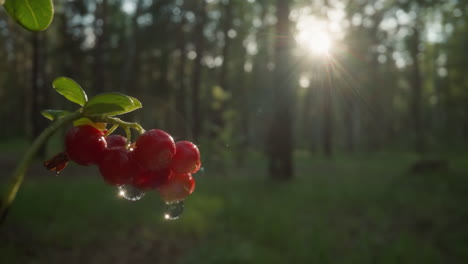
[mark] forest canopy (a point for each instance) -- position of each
(326, 76)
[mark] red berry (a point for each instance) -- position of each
(145, 179)
(154, 150)
(186, 158)
(117, 167)
(116, 141)
(85, 144)
(177, 188)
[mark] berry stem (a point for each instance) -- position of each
(111, 130)
(129, 136)
(117, 121)
(20, 171)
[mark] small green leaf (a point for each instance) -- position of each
(53, 114)
(111, 104)
(34, 15)
(70, 90)
(136, 102)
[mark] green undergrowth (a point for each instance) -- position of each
(15, 147)
(365, 209)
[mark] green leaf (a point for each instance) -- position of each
(34, 15)
(53, 114)
(111, 104)
(70, 90)
(136, 102)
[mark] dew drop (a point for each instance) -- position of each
(173, 211)
(130, 192)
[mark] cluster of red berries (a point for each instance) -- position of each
(153, 162)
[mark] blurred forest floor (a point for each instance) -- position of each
(363, 209)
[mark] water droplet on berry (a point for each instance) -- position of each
(130, 192)
(173, 211)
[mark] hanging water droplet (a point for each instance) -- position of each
(130, 192)
(173, 211)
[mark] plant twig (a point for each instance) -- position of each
(117, 121)
(21, 168)
(111, 130)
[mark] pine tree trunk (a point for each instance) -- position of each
(131, 64)
(197, 71)
(181, 95)
(327, 111)
(217, 114)
(100, 80)
(280, 134)
(416, 92)
(225, 52)
(348, 116)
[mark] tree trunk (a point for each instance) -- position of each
(348, 116)
(217, 114)
(309, 113)
(130, 70)
(327, 132)
(164, 65)
(259, 83)
(243, 106)
(197, 71)
(375, 119)
(280, 133)
(181, 95)
(100, 80)
(306, 128)
(416, 92)
(225, 53)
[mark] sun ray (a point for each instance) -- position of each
(312, 34)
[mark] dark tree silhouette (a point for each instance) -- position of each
(280, 145)
(197, 70)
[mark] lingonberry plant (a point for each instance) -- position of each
(154, 162)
